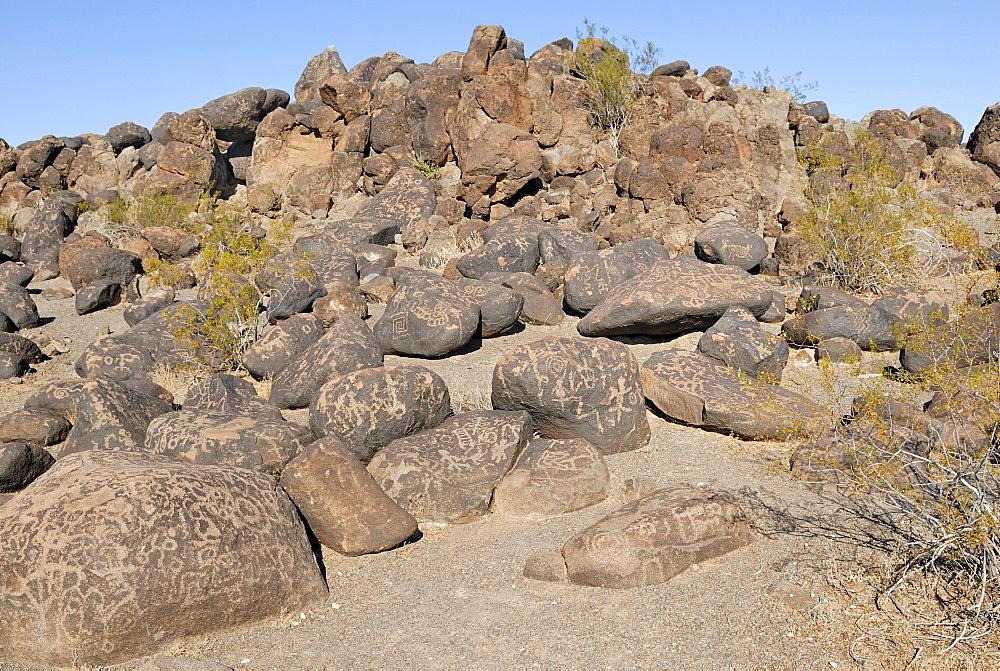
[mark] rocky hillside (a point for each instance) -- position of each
(315, 270)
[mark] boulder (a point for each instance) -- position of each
(97, 296)
(14, 273)
(539, 305)
(319, 68)
(552, 477)
(111, 416)
(17, 304)
(427, 316)
(21, 346)
(225, 439)
(506, 254)
(674, 297)
(448, 474)
(590, 275)
(655, 538)
(113, 556)
(344, 507)
(116, 357)
(499, 306)
(35, 426)
(84, 266)
(984, 142)
(370, 408)
(405, 200)
(730, 244)
(738, 341)
(820, 298)
(691, 388)
(348, 346)
(281, 345)
(867, 326)
(575, 388)
(127, 134)
(144, 307)
(235, 116)
(21, 464)
(340, 301)
(229, 394)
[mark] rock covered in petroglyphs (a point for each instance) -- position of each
(370, 408)
(448, 474)
(697, 390)
(345, 508)
(33, 425)
(111, 556)
(590, 275)
(674, 297)
(541, 307)
(427, 316)
(17, 304)
(505, 254)
(340, 301)
(144, 307)
(97, 296)
(576, 388)
(730, 244)
(61, 397)
(552, 477)
(348, 346)
(110, 416)
(292, 296)
(281, 345)
(653, 539)
(117, 358)
(225, 439)
(499, 306)
(866, 326)
(15, 274)
(737, 341)
(21, 464)
(405, 200)
(562, 244)
(230, 395)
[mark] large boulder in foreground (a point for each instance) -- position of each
(576, 388)
(674, 297)
(655, 538)
(113, 555)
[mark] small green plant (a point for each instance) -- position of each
(126, 217)
(792, 84)
(874, 230)
(607, 64)
(427, 169)
(7, 224)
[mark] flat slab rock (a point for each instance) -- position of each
(655, 538)
(553, 477)
(691, 388)
(576, 388)
(111, 556)
(448, 474)
(674, 297)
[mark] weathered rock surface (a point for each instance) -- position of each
(345, 508)
(499, 306)
(348, 346)
(448, 474)
(427, 316)
(674, 297)
(16, 303)
(370, 408)
(696, 390)
(737, 341)
(281, 345)
(229, 394)
(575, 388)
(591, 275)
(866, 326)
(655, 538)
(112, 556)
(35, 426)
(552, 477)
(730, 244)
(21, 464)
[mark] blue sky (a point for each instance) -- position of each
(75, 67)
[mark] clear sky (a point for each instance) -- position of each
(83, 66)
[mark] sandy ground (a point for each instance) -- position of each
(457, 598)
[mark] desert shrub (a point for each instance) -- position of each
(236, 278)
(792, 84)
(874, 230)
(427, 168)
(607, 64)
(126, 217)
(7, 225)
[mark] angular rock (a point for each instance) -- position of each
(561, 244)
(127, 134)
(674, 297)
(319, 68)
(348, 346)
(224, 439)
(448, 474)
(281, 345)
(655, 538)
(427, 316)
(113, 556)
(737, 341)
(33, 425)
(506, 254)
(575, 388)
(13, 273)
(838, 350)
(867, 326)
(21, 464)
(144, 307)
(172, 244)
(340, 302)
(97, 296)
(228, 394)
(590, 275)
(499, 306)
(540, 306)
(696, 390)
(292, 296)
(16, 303)
(370, 408)
(552, 477)
(86, 266)
(730, 244)
(346, 510)
(235, 116)
(405, 200)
